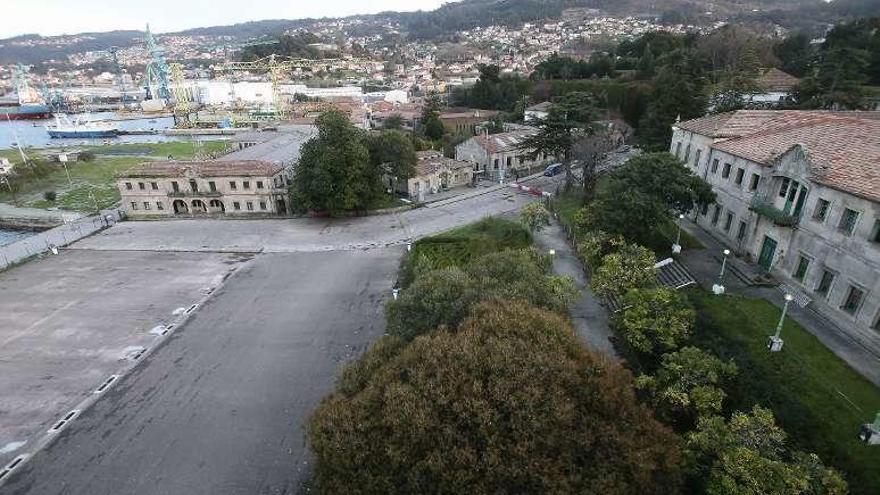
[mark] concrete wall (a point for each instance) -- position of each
(62, 235)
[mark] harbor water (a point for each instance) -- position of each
(32, 133)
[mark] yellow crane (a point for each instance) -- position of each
(184, 103)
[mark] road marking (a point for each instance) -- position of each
(12, 465)
(106, 384)
(64, 421)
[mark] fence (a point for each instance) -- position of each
(62, 235)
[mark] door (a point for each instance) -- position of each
(768, 249)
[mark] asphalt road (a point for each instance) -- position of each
(221, 407)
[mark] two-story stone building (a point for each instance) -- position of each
(218, 188)
(500, 156)
(799, 193)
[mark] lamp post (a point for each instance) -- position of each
(676, 248)
(775, 343)
(718, 288)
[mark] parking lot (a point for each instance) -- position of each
(69, 322)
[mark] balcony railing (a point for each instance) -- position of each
(765, 208)
(194, 194)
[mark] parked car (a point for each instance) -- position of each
(552, 170)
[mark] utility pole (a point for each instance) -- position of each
(718, 288)
(775, 343)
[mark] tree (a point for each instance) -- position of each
(655, 321)
(746, 455)
(535, 216)
(593, 246)
(631, 267)
(737, 82)
(335, 173)
(568, 119)
(590, 151)
(431, 125)
(393, 151)
(794, 52)
(393, 122)
(687, 385)
(662, 176)
(679, 92)
(512, 402)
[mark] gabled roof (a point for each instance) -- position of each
(238, 168)
(540, 107)
(843, 148)
(505, 141)
(774, 79)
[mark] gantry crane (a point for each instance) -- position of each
(158, 71)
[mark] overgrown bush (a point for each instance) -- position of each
(594, 245)
(631, 267)
(86, 156)
(50, 196)
(510, 403)
(654, 321)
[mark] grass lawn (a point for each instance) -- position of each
(819, 400)
(93, 182)
(457, 247)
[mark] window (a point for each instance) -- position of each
(262, 205)
(193, 185)
(233, 185)
(783, 187)
(495, 164)
(250, 206)
(800, 270)
(876, 325)
(246, 184)
(141, 186)
(853, 300)
(741, 232)
(128, 185)
(212, 186)
(259, 184)
(236, 205)
(687, 153)
(738, 180)
(697, 158)
(728, 221)
(821, 211)
(705, 209)
(825, 283)
(509, 161)
(134, 206)
(175, 186)
(160, 206)
(678, 149)
(716, 214)
(715, 165)
(848, 221)
(146, 205)
(154, 186)
(725, 172)
(875, 232)
(754, 181)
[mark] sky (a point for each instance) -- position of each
(53, 17)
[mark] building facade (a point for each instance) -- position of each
(799, 193)
(500, 156)
(184, 189)
(435, 173)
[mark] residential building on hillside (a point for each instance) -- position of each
(228, 188)
(464, 121)
(799, 193)
(776, 87)
(500, 156)
(434, 173)
(537, 113)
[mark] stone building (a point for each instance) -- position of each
(464, 121)
(500, 156)
(435, 173)
(798, 193)
(228, 188)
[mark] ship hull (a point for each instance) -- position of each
(82, 134)
(6, 115)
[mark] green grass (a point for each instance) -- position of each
(459, 246)
(566, 205)
(92, 182)
(819, 400)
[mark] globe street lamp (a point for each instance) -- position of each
(676, 248)
(718, 288)
(775, 343)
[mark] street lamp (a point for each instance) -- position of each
(775, 343)
(718, 288)
(676, 248)
(552, 252)
(395, 292)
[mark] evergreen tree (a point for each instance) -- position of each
(431, 126)
(679, 92)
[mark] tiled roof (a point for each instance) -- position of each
(431, 161)
(843, 148)
(729, 124)
(774, 79)
(239, 168)
(540, 107)
(505, 141)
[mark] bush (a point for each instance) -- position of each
(631, 267)
(654, 321)
(511, 403)
(50, 196)
(86, 156)
(597, 244)
(535, 217)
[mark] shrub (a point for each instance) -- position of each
(535, 217)
(631, 267)
(86, 156)
(511, 403)
(50, 196)
(654, 321)
(597, 244)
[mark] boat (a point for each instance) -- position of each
(66, 127)
(25, 111)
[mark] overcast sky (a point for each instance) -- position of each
(51, 17)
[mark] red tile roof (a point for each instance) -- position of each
(842, 147)
(505, 141)
(774, 79)
(236, 168)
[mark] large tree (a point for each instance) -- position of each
(655, 320)
(431, 125)
(393, 151)
(510, 402)
(335, 173)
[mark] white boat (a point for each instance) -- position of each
(65, 127)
